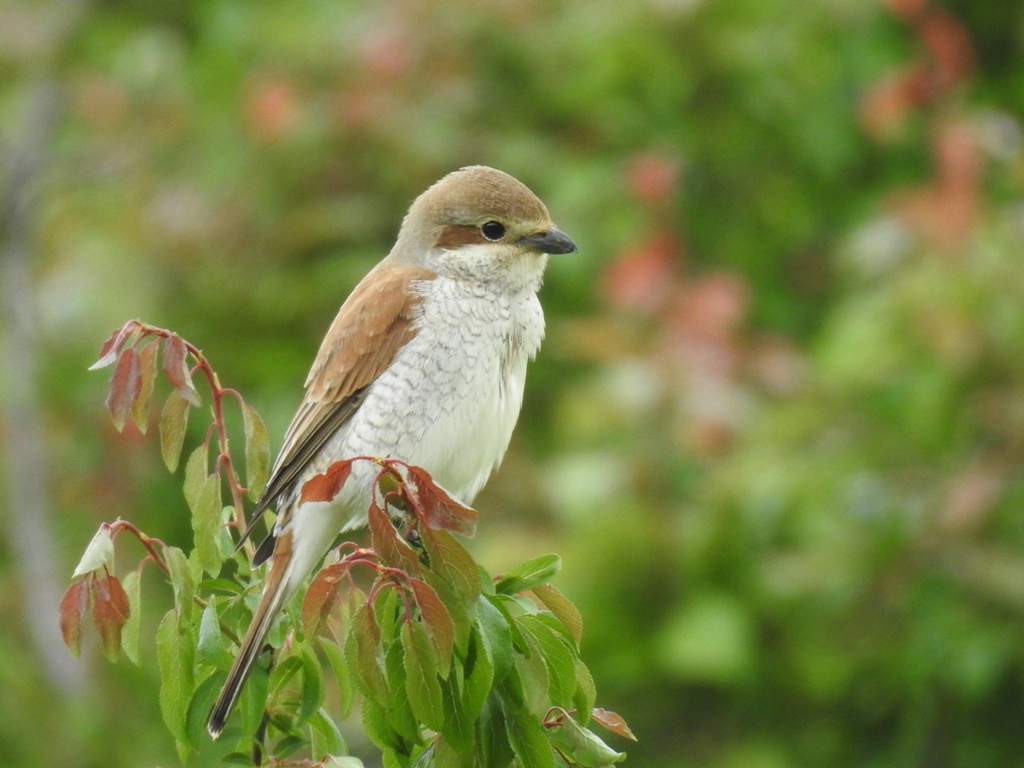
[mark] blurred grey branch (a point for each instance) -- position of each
(28, 152)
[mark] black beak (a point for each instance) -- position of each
(552, 241)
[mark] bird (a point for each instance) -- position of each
(425, 362)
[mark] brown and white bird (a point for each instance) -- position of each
(425, 362)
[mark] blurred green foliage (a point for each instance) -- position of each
(775, 431)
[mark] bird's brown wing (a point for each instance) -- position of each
(372, 325)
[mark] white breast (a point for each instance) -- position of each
(451, 398)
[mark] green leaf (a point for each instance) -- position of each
(228, 586)
(211, 649)
(496, 632)
(443, 755)
(421, 680)
(511, 689)
(583, 747)
(237, 758)
(376, 724)
(363, 654)
(252, 702)
(478, 676)
(526, 735)
(289, 745)
(173, 424)
(181, 579)
(343, 761)
(283, 672)
(336, 658)
(312, 694)
(586, 692)
(509, 607)
(195, 475)
(175, 655)
(458, 725)
(559, 657)
(130, 633)
(399, 708)
(549, 621)
(561, 608)
(257, 451)
(492, 736)
(389, 611)
(530, 574)
(458, 607)
(227, 548)
(534, 677)
(199, 707)
(147, 371)
(206, 521)
(486, 581)
(325, 738)
(450, 560)
(464, 693)
(99, 553)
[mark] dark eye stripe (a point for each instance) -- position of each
(455, 235)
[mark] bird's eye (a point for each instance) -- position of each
(493, 230)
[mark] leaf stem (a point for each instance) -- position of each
(148, 542)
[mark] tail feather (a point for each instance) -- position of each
(275, 592)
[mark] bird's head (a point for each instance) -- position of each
(480, 224)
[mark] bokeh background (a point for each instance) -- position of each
(776, 430)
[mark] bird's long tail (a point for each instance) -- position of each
(277, 589)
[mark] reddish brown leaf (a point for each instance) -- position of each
(326, 485)
(176, 368)
(612, 722)
(441, 511)
(111, 347)
(147, 371)
(908, 9)
(388, 545)
(438, 621)
(653, 177)
(272, 109)
(885, 106)
(320, 597)
(644, 277)
(73, 606)
(174, 360)
(110, 611)
(950, 45)
(125, 387)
